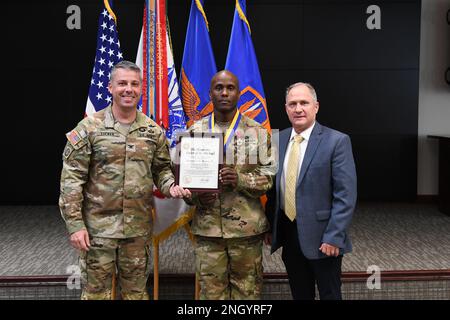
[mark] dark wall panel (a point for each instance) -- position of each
(277, 35)
(385, 166)
(336, 36)
(367, 101)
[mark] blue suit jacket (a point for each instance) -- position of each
(325, 193)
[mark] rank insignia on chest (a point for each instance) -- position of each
(131, 147)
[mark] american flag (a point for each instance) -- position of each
(106, 56)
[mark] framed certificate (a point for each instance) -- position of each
(199, 159)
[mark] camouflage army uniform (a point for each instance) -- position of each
(229, 233)
(107, 188)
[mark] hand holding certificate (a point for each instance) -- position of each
(199, 158)
(228, 176)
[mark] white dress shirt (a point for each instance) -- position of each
(303, 145)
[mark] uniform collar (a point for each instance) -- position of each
(139, 122)
(109, 118)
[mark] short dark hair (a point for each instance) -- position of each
(127, 65)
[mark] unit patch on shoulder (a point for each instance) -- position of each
(67, 151)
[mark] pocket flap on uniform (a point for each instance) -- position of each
(323, 214)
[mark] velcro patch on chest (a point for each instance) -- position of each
(108, 134)
(145, 135)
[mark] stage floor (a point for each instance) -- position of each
(392, 236)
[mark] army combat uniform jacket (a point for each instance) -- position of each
(239, 212)
(108, 175)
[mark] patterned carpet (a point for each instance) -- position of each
(393, 236)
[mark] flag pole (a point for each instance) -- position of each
(113, 283)
(197, 282)
(197, 287)
(155, 262)
(114, 278)
(156, 269)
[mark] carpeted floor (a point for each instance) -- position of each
(393, 236)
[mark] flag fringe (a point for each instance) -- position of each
(108, 7)
(185, 218)
(202, 11)
(242, 15)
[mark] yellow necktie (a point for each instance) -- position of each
(291, 178)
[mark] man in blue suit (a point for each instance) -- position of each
(311, 206)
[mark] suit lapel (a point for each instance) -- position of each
(314, 141)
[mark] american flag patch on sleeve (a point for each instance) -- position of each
(73, 137)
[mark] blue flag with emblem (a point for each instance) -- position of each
(198, 65)
(241, 60)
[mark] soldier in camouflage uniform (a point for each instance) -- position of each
(229, 226)
(111, 161)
